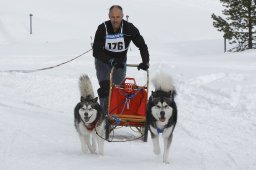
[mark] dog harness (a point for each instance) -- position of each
(115, 42)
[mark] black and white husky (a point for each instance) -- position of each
(89, 118)
(162, 113)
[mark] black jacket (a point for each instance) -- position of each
(131, 33)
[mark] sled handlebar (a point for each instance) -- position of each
(132, 65)
(136, 65)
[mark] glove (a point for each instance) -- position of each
(143, 66)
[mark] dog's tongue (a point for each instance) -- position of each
(162, 119)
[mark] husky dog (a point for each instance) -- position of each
(162, 113)
(89, 118)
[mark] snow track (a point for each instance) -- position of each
(215, 123)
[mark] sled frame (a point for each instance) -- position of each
(137, 121)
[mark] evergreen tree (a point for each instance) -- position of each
(240, 24)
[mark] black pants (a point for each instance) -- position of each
(103, 75)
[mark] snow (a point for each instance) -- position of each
(216, 91)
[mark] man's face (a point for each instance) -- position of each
(116, 16)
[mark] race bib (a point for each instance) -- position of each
(115, 42)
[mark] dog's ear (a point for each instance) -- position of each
(154, 94)
(95, 100)
(82, 99)
(169, 94)
(173, 93)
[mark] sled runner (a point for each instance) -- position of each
(127, 106)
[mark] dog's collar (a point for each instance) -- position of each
(159, 130)
(90, 126)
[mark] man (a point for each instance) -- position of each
(110, 46)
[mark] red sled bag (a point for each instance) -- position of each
(128, 99)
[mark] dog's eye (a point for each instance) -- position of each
(158, 107)
(166, 106)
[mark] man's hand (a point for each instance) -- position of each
(143, 66)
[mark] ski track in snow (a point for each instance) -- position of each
(197, 93)
(194, 98)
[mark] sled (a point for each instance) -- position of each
(127, 107)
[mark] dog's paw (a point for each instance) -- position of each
(101, 150)
(166, 161)
(93, 150)
(165, 157)
(84, 150)
(101, 153)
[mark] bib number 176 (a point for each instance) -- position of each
(116, 46)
